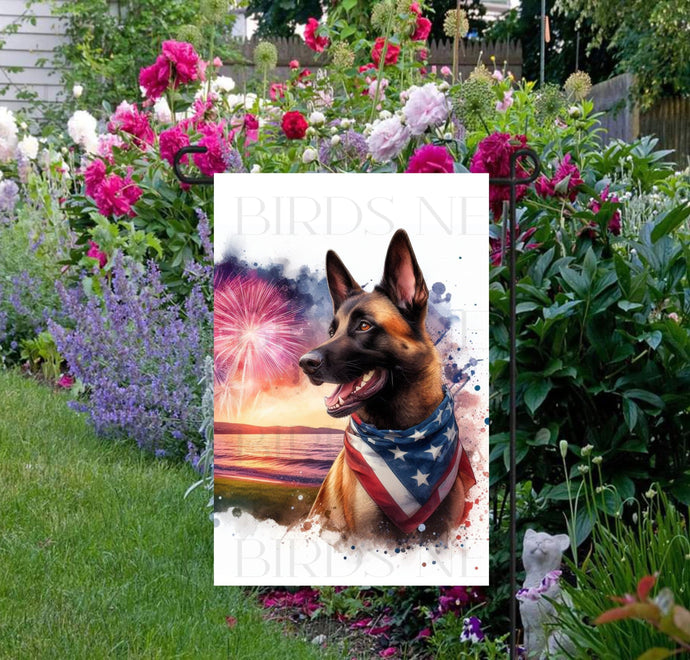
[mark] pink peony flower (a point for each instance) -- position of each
(216, 143)
(95, 252)
(128, 119)
(116, 195)
(93, 177)
(294, 64)
(387, 139)
(392, 52)
(217, 62)
(615, 222)
(426, 107)
(382, 88)
(171, 141)
(446, 71)
(431, 159)
(318, 44)
(422, 29)
(178, 64)
(155, 78)
(565, 181)
(106, 142)
(497, 75)
(493, 156)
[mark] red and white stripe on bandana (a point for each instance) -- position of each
(409, 472)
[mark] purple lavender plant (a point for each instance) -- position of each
(140, 356)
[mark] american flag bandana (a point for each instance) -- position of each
(408, 472)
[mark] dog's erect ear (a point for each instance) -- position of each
(340, 283)
(403, 281)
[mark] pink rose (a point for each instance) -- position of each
(430, 159)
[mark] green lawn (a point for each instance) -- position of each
(100, 556)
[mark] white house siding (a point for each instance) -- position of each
(25, 49)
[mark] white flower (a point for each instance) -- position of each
(334, 130)
(574, 111)
(77, 91)
(223, 84)
(8, 134)
(335, 140)
(82, 129)
(587, 450)
(443, 86)
(317, 118)
(345, 123)
(28, 147)
(425, 107)
(23, 126)
(309, 155)
(233, 100)
(385, 114)
(255, 169)
(311, 131)
(563, 446)
(161, 111)
(387, 139)
(597, 460)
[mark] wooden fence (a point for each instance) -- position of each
(668, 119)
(440, 54)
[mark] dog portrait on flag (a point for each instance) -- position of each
(351, 381)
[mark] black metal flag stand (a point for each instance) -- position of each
(513, 182)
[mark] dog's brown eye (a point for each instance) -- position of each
(364, 326)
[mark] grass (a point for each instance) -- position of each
(101, 556)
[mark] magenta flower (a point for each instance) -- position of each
(565, 181)
(116, 195)
(95, 252)
(316, 43)
(422, 29)
(389, 652)
(594, 205)
(171, 141)
(493, 156)
(128, 119)
(93, 177)
(217, 149)
(430, 159)
(178, 64)
(66, 381)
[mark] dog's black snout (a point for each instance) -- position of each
(310, 362)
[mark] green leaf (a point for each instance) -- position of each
(627, 305)
(583, 526)
(536, 393)
(656, 653)
(630, 412)
(643, 395)
(669, 220)
(542, 437)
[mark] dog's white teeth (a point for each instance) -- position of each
(340, 401)
(367, 377)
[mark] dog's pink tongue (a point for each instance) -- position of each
(341, 392)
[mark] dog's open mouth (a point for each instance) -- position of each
(348, 396)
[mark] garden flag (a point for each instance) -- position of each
(351, 379)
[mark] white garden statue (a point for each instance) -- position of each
(541, 556)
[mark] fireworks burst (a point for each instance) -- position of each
(257, 336)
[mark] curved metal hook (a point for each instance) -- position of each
(177, 158)
(530, 155)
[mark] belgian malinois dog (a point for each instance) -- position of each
(387, 373)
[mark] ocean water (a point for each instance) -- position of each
(300, 459)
